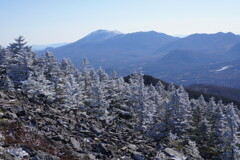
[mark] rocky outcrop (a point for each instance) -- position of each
(30, 130)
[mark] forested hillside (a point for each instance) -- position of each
(181, 127)
(222, 94)
(231, 93)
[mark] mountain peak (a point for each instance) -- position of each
(103, 31)
(100, 35)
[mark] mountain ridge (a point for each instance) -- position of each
(107, 53)
(186, 61)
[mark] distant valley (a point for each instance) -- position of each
(195, 59)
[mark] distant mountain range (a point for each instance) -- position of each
(195, 59)
(47, 46)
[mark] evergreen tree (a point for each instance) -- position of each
(120, 95)
(7, 84)
(93, 76)
(103, 76)
(22, 61)
(139, 98)
(152, 106)
(204, 138)
(51, 67)
(171, 87)
(97, 100)
(161, 91)
(177, 114)
(219, 130)
(18, 45)
(67, 67)
(85, 74)
(231, 137)
(4, 64)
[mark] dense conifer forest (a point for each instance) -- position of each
(208, 128)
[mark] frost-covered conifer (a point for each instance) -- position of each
(139, 97)
(152, 107)
(85, 77)
(7, 84)
(97, 100)
(120, 95)
(219, 129)
(198, 108)
(177, 113)
(67, 67)
(103, 76)
(114, 75)
(18, 45)
(231, 142)
(51, 67)
(4, 64)
(171, 87)
(93, 76)
(4, 61)
(22, 61)
(161, 91)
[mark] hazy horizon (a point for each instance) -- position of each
(178, 35)
(58, 21)
(64, 42)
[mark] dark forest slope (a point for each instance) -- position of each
(226, 94)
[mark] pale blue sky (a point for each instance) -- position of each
(56, 21)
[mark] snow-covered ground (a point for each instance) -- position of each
(224, 68)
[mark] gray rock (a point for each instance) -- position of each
(58, 138)
(86, 156)
(75, 143)
(11, 115)
(44, 156)
(132, 147)
(91, 157)
(101, 148)
(6, 156)
(174, 154)
(137, 157)
(29, 150)
(50, 121)
(96, 130)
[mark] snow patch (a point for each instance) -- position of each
(17, 152)
(224, 68)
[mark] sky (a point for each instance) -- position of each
(58, 21)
